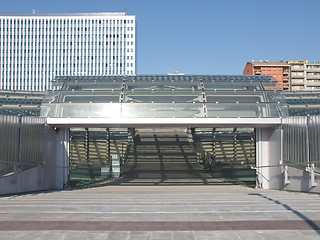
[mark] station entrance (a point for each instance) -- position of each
(190, 129)
(163, 156)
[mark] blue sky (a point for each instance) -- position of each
(205, 36)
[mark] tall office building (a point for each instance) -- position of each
(35, 48)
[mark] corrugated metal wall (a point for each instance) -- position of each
(21, 141)
(9, 142)
(301, 142)
(314, 142)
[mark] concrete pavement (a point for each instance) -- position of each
(161, 212)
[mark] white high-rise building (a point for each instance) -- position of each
(35, 48)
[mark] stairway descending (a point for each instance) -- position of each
(234, 155)
(163, 157)
(86, 169)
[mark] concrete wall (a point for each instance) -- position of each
(56, 156)
(25, 181)
(49, 177)
(300, 180)
(268, 154)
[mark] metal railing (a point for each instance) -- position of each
(301, 140)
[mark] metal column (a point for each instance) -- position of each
(86, 144)
(214, 144)
(108, 145)
(235, 143)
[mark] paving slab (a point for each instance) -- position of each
(161, 212)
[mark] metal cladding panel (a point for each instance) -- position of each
(21, 142)
(295, 139)
(9, 142)
(314, 135)
(301, 142)
(32, 134)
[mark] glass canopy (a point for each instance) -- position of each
(20, 102)
(167, 96)
(161, 96)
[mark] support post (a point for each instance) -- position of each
(116, 165)
(86, 144)
(62, 158)
(191, 132)
(16, 168)
(286, 175)
(235, 143)
(214, 146)
(312, 176)
(131, 134)
(108, 144)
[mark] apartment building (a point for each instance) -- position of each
(279, 70)
(305, 75)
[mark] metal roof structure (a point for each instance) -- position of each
(20, 102)
(166, 96)
(161, 96)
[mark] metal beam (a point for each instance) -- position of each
(164, 122)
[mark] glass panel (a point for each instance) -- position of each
(163, 96)
(163, 85)
(65, 110)
(91, 96)
(227, 85)
(159, 110)
(107, 85)
(244, 110)
(52, 96)
(162, 110)
(241, 82)
(235, 96)
(25, 110)
(157, 78)
(125, 110)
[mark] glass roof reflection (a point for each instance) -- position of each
(188, 96)
(160, 96)
(164, 89)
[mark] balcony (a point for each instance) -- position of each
(300, 83)
(313, 69)
(297, 69)
(297, 76)
(314, 77)
(257, 72)
(313, 84)
(285, 72)
(285, 86)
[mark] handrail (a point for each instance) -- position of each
(49, 166)
(125, 157)
(286, 164)
(207, 159)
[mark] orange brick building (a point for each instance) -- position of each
(278, 70)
